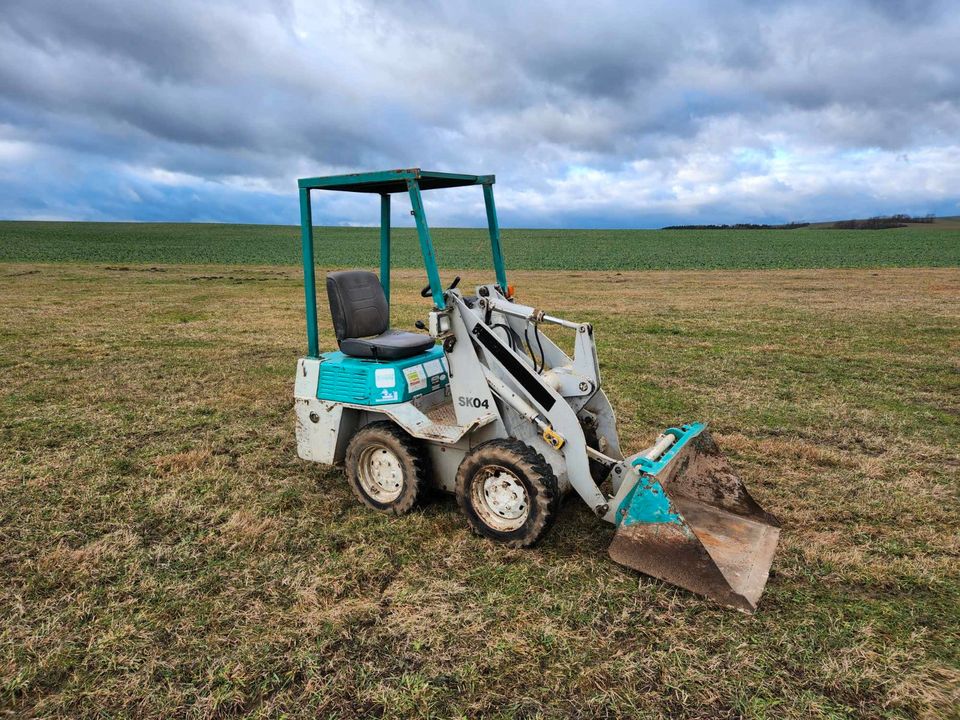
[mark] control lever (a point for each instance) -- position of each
(427, 291)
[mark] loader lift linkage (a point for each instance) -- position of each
(488, 407)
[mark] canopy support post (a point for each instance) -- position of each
(309, 275)
(493, 226)
(426, 245)
(385, 245)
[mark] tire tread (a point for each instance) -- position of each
(417, 461)
(537, 469)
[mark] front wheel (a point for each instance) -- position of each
(508, 492)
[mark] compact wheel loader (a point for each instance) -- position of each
(484, 405)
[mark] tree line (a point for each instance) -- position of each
(882, 222)
(739, 226)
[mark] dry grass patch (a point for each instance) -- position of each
(181, 462)
(163, 553)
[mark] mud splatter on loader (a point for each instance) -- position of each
(486, 406)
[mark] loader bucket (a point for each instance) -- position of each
(689, 520)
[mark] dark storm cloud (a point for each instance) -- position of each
(633, 112)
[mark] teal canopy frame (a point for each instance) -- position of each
(385, 183)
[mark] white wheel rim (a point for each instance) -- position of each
(500, 498)
(380, 473)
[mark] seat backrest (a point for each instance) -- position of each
(357, 304)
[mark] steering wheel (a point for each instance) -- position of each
(427, 291)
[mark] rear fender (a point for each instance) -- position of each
(323, 427)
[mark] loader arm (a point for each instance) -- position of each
(577, 377)
(560, 427)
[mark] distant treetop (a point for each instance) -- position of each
(739, 226)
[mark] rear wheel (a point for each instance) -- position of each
(387, 469)
(508, 492)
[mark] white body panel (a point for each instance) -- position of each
(324, 427)
(317, 441)
(318, 421)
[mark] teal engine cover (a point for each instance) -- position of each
(381, 382)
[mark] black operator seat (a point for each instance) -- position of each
(361, 319)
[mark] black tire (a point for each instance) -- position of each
(390, 493)
(522, 519)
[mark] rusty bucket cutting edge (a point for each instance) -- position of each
(709, 535)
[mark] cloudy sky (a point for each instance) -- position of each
(593, 114)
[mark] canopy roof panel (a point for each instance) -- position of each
(391, 181)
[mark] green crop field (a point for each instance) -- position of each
(164, 553)
(915, 246)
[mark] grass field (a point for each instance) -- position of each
(164, 553)
(916, 246)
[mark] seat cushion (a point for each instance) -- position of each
(357, 304)
(391, 345)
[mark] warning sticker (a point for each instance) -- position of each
(385, 378)
(416, 378)
(433, 367)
